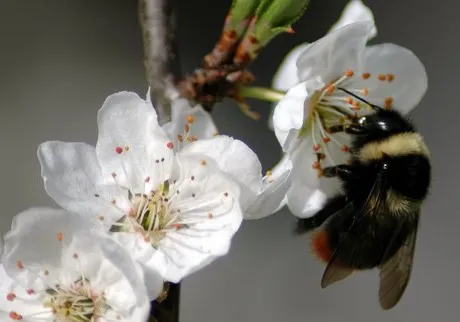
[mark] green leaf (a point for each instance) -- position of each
(277, 16)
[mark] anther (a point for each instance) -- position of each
(186, 128)
(268, 173)
(113, 201)
(210, 215)
(15, 316)
(388, 103)
(100, 217)
(316, 147)
(349, 100)
(345, 148)
(203, 162)
(114, 175)
(169, 145)
(19, 264)
(30, 291)
(190, 119)
(382, 77)
(316, 165)
(366, 75)
(10, 297)
(349, 73)
(126, 148)
(326, 139)
(390, 77)
(321, 156)
(119, 149)
(180, 138)
(330, 89)
(59, 236)
(365, 91)
(225, 194)
(147, 179)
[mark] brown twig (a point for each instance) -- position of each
(157, 21)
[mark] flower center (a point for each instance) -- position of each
(151, 215)
(75, 303)
(330, 107)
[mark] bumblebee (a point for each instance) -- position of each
(373, 223)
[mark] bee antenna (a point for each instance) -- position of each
(375, 107)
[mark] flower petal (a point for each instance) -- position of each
(202, 126)
(335, 53)
(117, 275)
(308, 192)
(130, 138)
(272, 196)
(289, 112)
(286, 75)
(235, 159)
(74, 179)
(303, 201)
(15, 299)
(405, 78)
(37, 235)
(354, 11)
(208, 206)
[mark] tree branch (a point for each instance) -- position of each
(157, 20)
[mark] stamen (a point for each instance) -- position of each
(382, 77)
(349, 73)
(390, 77)
(366, 75)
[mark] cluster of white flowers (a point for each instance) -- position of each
(152, 203)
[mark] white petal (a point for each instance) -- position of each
(74, 179)
(235, 159)
(355, 11)
(203, 126)
(36, 237)
(331, 56)
(286, 76)
(117, 275)
(27, 305)
(130, 139)
(289, 112)
(308, 193)
(410, 79)
(272, 196)
(303, 201)
(209, 204)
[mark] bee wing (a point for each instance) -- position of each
(395, 273)
(334, 271)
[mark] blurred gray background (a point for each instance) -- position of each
(60, 59)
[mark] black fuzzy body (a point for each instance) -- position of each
(382, 227)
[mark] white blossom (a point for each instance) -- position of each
(386, 75)
(261, 195)
(286, 75)
(55, 268)
(174, 212)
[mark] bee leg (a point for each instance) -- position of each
(330, 208)
(343, 171)
(349, 128)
